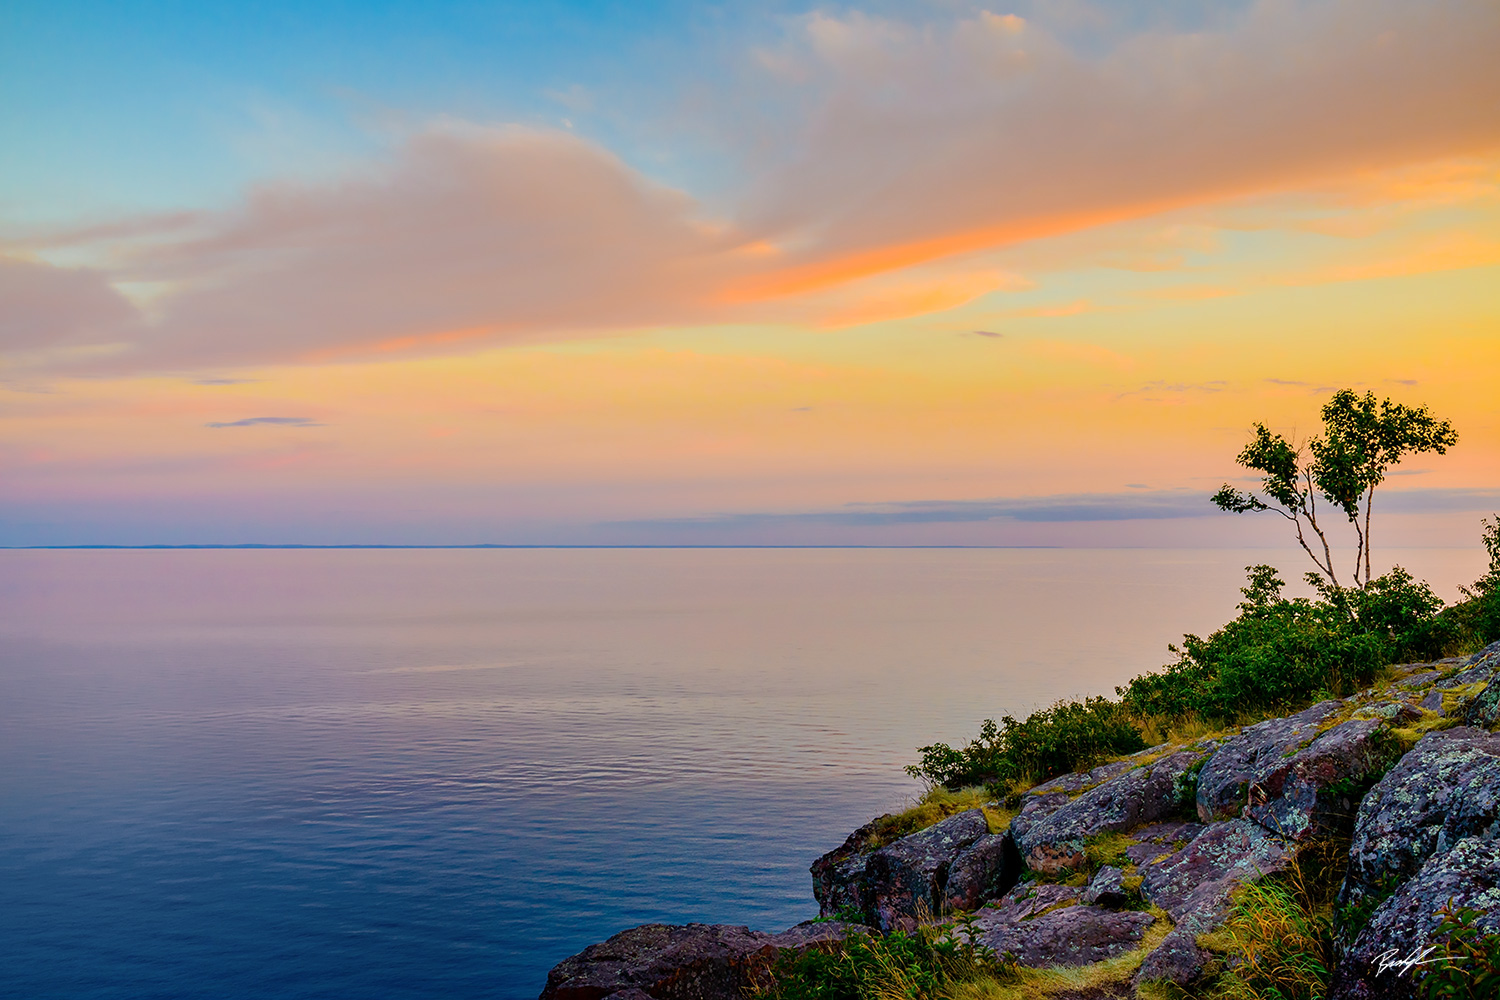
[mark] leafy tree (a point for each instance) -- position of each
(1362, 439)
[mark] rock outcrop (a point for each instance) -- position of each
(1138, 796)
(1175, 829)
(956, 864)
(1448, 781)
(1253, 758)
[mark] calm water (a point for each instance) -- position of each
(367, 774)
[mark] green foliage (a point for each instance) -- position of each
(1186, 786)
(1280, 652)
(1066, 737)
(1361, 440)
(921, 965)
(1478, 617)
(1467, 965)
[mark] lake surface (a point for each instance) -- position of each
(394, 774)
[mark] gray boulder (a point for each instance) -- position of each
(1315, 789)
(1482, 666)
(1106, 888)
(982, 871)
(954, 864)
(1160, 840)
(1042, 925)
(1142, 795)
(1447, 781)
(838, 876)
(1484, 710)
(1194, 886)
(1467, 875)
(906, 877)
(1035, 807)
(1072, 784)
(1243, 760)
(679, 962)
(1178, 959)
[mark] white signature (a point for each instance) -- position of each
(1393, 959)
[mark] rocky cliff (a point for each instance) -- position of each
(1143, 856)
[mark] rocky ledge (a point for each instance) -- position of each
(1143, 855)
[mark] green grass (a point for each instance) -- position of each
(1281, 930)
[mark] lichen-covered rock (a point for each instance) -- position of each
(1072, 784)
(1484, 710)
(679, 962)
(1066, 935)
(1394, 712)
(906, 877)
(1144, 794)
(1029, 899)
(1482, 666)
(982, 871)
(1036, 807)
(1160, 840)
(838, 876)
(1224, 782)
(1449, 777)
(1433, 702)
(1106, 888)
(1468, 875)
(1316, 789)
(1178, 959)
(1194, 886)
(1195, 883)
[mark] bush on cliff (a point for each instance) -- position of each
(1067, 737)
(1280, 653)
(1478, 616)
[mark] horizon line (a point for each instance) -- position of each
(492, 545)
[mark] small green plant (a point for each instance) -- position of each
(1467, 965)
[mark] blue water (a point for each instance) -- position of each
(437, 773)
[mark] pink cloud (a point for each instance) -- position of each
(913, 144)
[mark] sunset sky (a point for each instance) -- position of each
(681, 273)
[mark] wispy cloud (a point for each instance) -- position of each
(1141, 504)
(914, 141)
(1152, 505)
(277, 421)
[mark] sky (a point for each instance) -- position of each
(737, 273)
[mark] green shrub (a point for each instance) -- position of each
(1478, 617)
(1065, 737)
(1280, 653)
